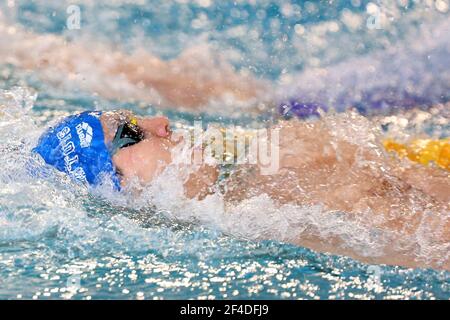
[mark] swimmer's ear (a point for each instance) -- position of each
(158, 126)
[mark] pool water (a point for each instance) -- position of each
(59, 241)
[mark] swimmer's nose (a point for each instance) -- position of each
(157, 126)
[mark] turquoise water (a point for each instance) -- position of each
(58, 241)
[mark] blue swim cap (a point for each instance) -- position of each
(77, 147)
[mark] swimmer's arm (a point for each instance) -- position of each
(192, 80)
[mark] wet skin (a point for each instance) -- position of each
(317, 168)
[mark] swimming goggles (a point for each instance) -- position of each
(127, 134)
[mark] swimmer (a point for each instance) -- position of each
(317, 167)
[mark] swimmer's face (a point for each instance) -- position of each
(147, 158)
(143, 160)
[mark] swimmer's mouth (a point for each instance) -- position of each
(127, 134)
